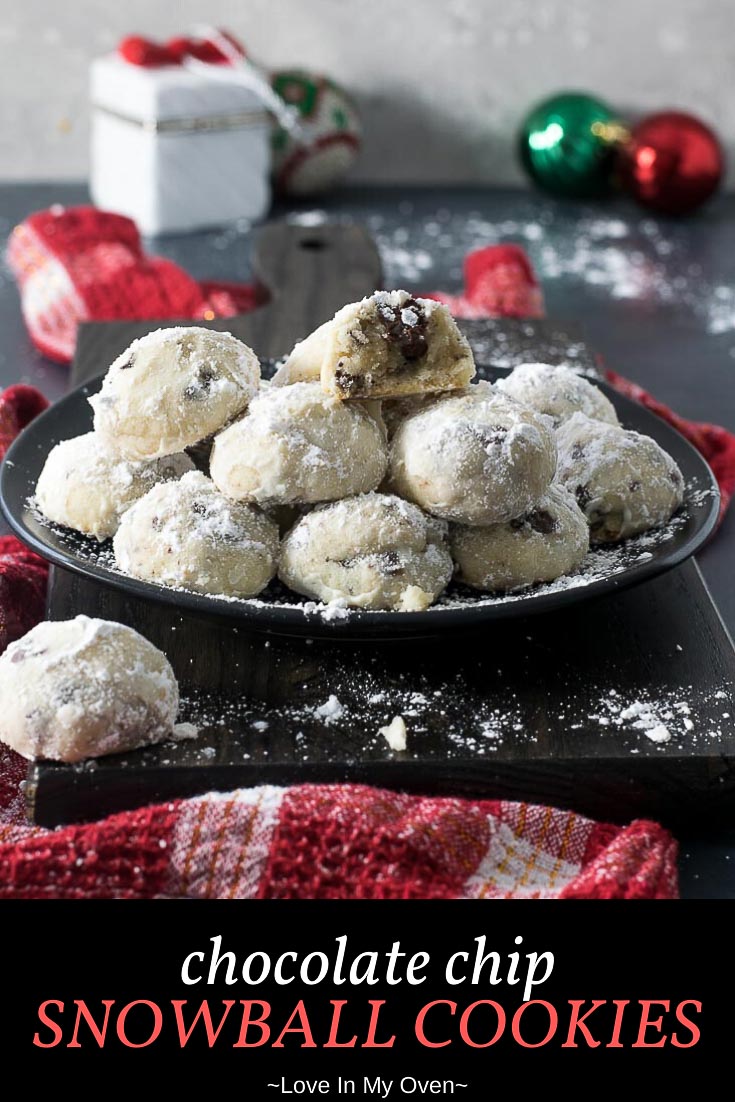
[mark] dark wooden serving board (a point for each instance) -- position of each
(513, 711)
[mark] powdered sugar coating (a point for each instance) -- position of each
(86, 487)
(624, 482)
(82, 688)
(172, 388)
(297, 445)
(187, 534)
(478, 457)
(550, 541)
(557, 392)
(374, 551)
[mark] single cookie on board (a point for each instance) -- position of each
(187, 534)
(478, 457)
(85, 487)
(81, 688)
(558, 392)
(374, 551)
(541, 546)
(624, 482)
(297, 445)
(171, 389)
(392, 344)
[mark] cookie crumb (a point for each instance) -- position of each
(395, 733)
(183, 731)
(330, 711)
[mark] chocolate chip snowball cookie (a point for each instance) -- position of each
(392, 344)
(545, 543)
(373, 552)
(171, 389)
(85, 487)
(297, 445)
(82, 688)
(558, 392)
(187, 534)
(624, 482)
(476, 458)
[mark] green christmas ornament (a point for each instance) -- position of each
(568, 144)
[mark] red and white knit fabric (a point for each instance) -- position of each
(499, 283)
(331, 842)
(81, 264)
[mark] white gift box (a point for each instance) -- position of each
(176, 149)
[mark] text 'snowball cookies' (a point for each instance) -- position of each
(478, 457)
(171, 389)
(187, 534)
(549, 541)
(374, 552)
(86, 487)
(81, 688)
(624, 482)
(298, 445)
(392, 344)
(558, 392)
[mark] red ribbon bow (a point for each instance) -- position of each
(149, 54)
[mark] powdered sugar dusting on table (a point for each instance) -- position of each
(636, 257)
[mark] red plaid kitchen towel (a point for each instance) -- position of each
(328, 841)
(332, 842)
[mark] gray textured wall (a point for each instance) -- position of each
(442, 83)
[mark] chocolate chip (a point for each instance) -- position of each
(542, 521)
(391, 563)
(634, 485)
(200, 387)
(492, 434)
(583, 496)
(410, 338)
(128, 364)
(345, 381)
(578, 451)
(675, 477)
(539, 520)
(199, 508)
(156, 524)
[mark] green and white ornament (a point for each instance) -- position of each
(321, 146)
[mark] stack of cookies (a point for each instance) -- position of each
(369, 471)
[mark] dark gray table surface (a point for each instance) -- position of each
(655, 297)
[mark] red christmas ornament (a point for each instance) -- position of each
(671, 163)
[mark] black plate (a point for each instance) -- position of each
(281, 612)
